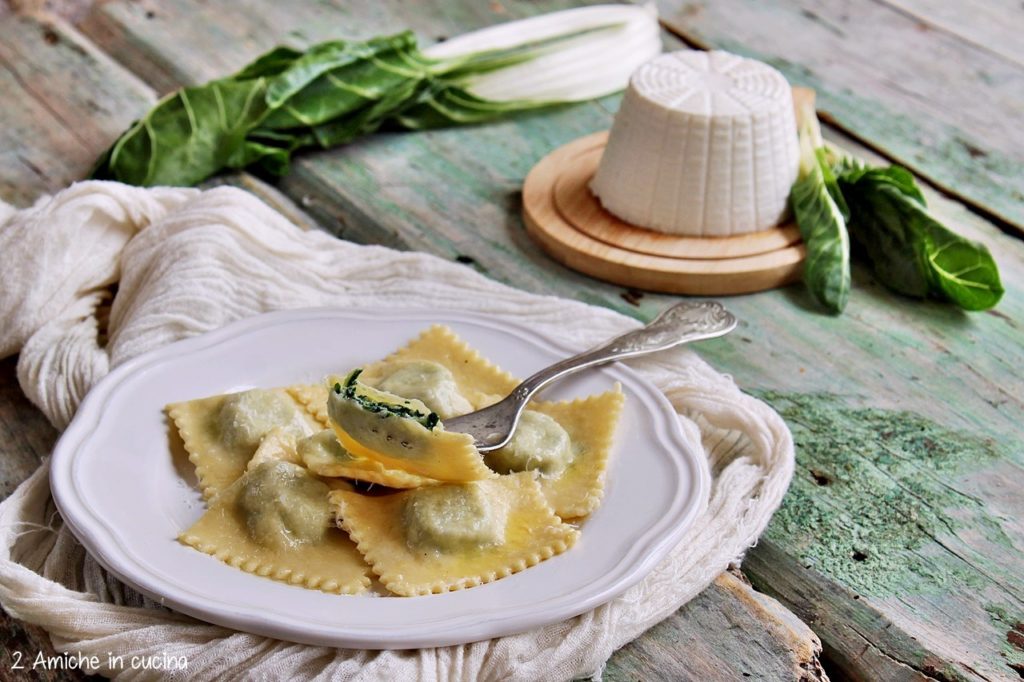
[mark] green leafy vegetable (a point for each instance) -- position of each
(821, 215)
(190, 135)
(909, 250)
(380, 402)
(336, 91)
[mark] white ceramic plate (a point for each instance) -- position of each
(127, 496)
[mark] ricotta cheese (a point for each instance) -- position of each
(704, 144)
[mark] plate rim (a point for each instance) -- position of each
(98, 540)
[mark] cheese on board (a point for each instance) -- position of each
(704, 144)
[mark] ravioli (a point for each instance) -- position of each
(590, 423)
(280, 505)
(431, 383)
(221, 433)
(400, 433)
(314, 399)
(323, 455)
(279, 445)
(453, 518)
(539, 444)
(454, 536)
(284, 506)
(476, 379)
(275, 521)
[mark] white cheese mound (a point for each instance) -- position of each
(704, 144)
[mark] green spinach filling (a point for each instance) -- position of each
(352, 390)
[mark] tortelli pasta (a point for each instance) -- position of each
(320, 485)
(223, 432)
(453, 536)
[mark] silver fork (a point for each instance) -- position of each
(493, 426)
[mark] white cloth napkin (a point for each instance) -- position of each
(189, 261)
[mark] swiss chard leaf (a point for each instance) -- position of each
(820, 218)
(333, 56)
(442, 104)
(329, 94)
(368, 119)
(272, 157)
(337, 78)
(821, 214)
(269, 63)
(909, 250)
(963, 270)
(188, 135)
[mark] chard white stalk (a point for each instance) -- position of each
(607, 43)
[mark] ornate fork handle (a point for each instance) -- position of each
(682, 323)
(492, 427)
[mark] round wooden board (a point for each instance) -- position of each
(581, 209)
(769, 260)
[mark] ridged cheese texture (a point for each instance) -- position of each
(704, 144)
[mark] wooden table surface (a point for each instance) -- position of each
(897, 552)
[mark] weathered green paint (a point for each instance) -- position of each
(858, 639)
(899, 511)
(942, 105)
(1012, 622)
(423, 192)
(872, 489)
(160, 38)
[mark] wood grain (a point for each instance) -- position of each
(25, 439)
(945, 107)
(710, 638)
(149, 35)
(992, 25)
(63, 102)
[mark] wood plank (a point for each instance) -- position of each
(64, 102)
(898, 554)
(340, 190)
(26, 437)
(454, 193)
(147, 34)
(710, 638)
(70, 11)
(993, 25)
(942, 106)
